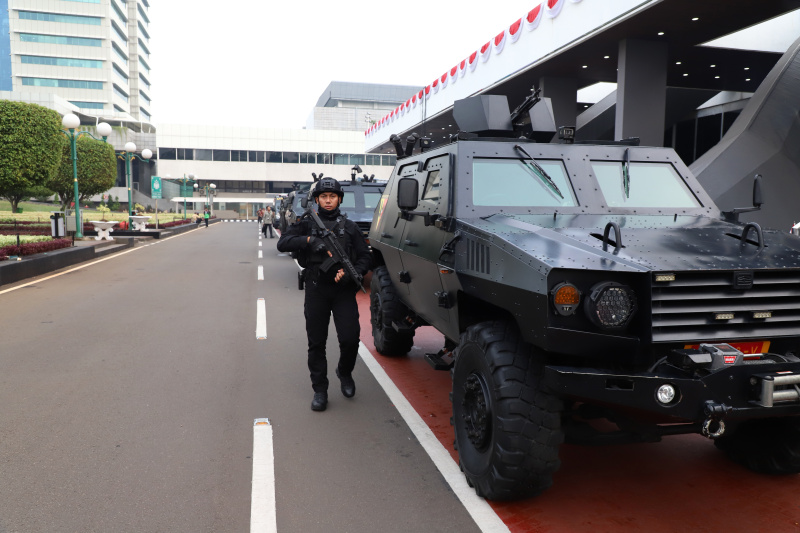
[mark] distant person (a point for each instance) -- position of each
(260, 214)
(196, 218)
(206, 216)
(269, 218)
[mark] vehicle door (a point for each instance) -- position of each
(388, 227)
(422, 242)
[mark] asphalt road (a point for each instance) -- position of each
(129, 388)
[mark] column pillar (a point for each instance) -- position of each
(563, 95)
(641, 91)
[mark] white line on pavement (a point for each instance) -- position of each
(260, 273)
(263, 516)
(261, 319)
(480, 510)
(260, 254)
(259, 243)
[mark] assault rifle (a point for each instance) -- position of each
(336, 252)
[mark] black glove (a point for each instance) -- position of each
(316, 245)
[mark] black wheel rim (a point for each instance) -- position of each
(477, 411)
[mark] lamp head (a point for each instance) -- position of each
(195, 186)
(213, 186)
(70, 121)
(103, 129)
(147, 153)
(130, 147)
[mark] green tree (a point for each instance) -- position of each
(97, 170)
(30, 148)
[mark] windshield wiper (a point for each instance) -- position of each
(539, 171)
(626, 173)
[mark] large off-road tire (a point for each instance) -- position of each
(507, 427)
(767, 446)
(384, 307)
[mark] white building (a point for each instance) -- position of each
(92, 53)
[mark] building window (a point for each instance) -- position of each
(88, 105)
(145, 114)
(308, 158)
(144, 80)
(143, 47)
(144, 64)
(61, 62)
(341, 159)
(141, 28)
(186, 154)
(222, 155)
(141, 12)
(203, 155)
(57, 39)
(119, 32)
(119, 92)
(144, 96)
(121, 75)
(57, 17)
(85, 1)
(239, 155)
(373, 160)
(64, 84)
(324, 159)
(274, 157)
(119, 12)
(119, 109)
(357, 159)
(388, 160)
(167, 153)
(256, 157)
(290, 157)
(119, 52)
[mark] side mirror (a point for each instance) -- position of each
(757, 195)
(407, 194)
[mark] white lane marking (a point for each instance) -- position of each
(79, 267)
(261, 319)
(260, 254)
(259, 243)
(480, 510)
(263, 515)
(260, 273)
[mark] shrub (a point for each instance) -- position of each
(34, 248)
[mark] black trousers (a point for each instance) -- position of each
(264, 230)
(322, 301)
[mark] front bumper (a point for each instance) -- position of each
(740, 392)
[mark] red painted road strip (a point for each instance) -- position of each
(680, 484)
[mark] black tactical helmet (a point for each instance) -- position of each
(327, 185)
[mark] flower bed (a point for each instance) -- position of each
(171, 224)
(33, 248)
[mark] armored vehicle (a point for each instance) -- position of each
(582, 284)
(291, 207)
(361, 197)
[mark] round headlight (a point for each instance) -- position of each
(566, 298)
(666, 394)
(611, 305)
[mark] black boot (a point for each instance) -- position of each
(348, 385)
(320, 401)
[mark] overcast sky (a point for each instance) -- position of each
(265, 62)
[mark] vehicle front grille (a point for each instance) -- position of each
(698, 306)
(364, 227)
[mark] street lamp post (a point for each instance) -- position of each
(130, 148)
(72, 122)
(208, 190)
(184, 181)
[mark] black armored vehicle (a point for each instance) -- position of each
(582, 284)
(361, 197)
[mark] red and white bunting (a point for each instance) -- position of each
(443, 80)
(554, 8)
(473, 61)
(499, 42)
(534, 18)
(427, 92)
(435, 85)
(462, 68)
(486, 51)
(414, 101)
(454, 74)
(514, 31)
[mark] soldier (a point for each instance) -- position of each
(328, 289)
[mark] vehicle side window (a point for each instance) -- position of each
(432, 187)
